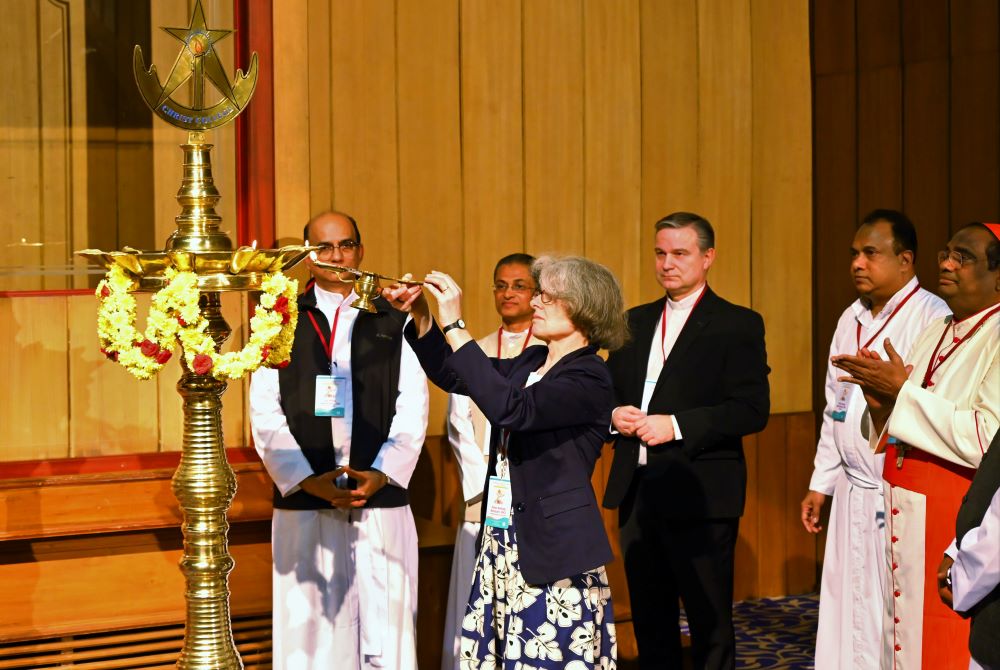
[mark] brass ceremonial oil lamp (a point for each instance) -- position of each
(366, 284)
(199, 251)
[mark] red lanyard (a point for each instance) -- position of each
(500, 341)
(937, 361)
(894, 313)
(328, 347)
(663, 321)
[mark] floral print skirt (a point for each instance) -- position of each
(512, 625)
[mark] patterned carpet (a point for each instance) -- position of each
(775, 632)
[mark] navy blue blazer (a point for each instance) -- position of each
(557, 428)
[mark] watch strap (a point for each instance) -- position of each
(452, 326)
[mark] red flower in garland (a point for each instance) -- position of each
(281, 366)
(110, 355)
(202, 364)
(265, 352)
(149, 348)
(105, 291)
(281, 307)
(180, 320)
(163, 356)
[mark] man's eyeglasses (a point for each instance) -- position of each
(543, 297)
(346, 247)
(516, 287)
(959, 258)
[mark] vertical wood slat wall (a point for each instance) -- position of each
(907, 116)
(459, 131)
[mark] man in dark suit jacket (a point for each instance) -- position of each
(690, 384)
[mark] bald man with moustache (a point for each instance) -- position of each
(339, 431)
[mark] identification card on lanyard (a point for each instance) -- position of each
(330, 395)
(843, 400)
(330, 389)
(498, 503)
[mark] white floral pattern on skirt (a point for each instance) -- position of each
(512, 625)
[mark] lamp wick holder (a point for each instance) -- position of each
(366, 284)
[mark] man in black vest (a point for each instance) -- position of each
(969, 575)
(339, 431)
(690, 384)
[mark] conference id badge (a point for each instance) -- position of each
(843, 399)
(498, 502)
(330, 395)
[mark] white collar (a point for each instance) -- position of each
(330, 297)
(688, 301)
(863, 314)
(961, 328)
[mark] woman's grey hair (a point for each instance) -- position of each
(591, 294)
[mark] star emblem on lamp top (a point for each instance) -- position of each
(199, 41)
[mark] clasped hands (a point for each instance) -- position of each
(325, 486)
(880, 380)
(652, 429)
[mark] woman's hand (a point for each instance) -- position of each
(448, 295)
(410, 298)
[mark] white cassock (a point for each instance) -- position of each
(344, 582)
(469, 436)
(849, 636)
(976, 571)
(948, 426)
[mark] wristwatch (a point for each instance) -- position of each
(452, 326)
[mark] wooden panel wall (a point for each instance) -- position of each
(66, 400)
(458, 131)
(43, 171)
(907, 116)
(461, 130)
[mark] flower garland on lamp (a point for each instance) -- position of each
(174, 316)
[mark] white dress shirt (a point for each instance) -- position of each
(676, 313)
(273, 440)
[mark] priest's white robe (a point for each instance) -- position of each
(344, 582)
(849, 636)
(948, 426)
(469, 436)
(976, 571)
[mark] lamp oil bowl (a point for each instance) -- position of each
(366, 284)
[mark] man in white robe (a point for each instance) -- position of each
(343, 537)
(933, 415)
(469, 436)
(891, 304)
(969, 575)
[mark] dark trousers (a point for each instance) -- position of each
(666, 559)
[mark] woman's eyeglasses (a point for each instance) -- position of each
(543, 297)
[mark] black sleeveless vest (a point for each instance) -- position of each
(376, 343)
(984, 638)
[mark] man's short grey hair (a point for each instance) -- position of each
(706, 235)
(591, 294)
